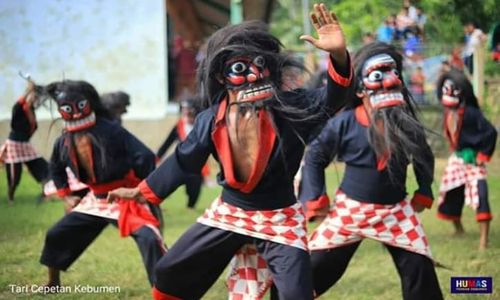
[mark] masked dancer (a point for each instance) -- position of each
(472, 141)
(257, 132)
(104, 156)
(377, 138)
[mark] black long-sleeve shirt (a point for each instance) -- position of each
(475, 132)
(118, 154)
(23, 123)
(345, 138)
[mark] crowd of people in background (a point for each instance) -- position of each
(406, 29)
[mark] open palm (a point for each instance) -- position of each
(330, 34)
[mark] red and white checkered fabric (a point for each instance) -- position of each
(249, 277)
(49, 189)
(92, 205)
(458, 173)
(17, 152)
(351, 221)
(285, 226)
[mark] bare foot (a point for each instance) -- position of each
(483, 247)
(459, 228)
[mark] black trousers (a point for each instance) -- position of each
(198, 258)
(193, 187)
(454, 200)
(39, 169)
(418, 277)
(69, 237)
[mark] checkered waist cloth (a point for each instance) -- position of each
(458, 173)
(50, 189)
(129, 215)
(17, 152)
(285, 226)
(350, 221)
(249, 277)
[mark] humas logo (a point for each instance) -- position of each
(471, 285)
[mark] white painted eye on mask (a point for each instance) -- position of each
(238, 67)
(82, 104)
(66, 108)
(375, 76)
(259, 61)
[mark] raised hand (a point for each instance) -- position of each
(330, 35)
(30, 93)
(126, 194)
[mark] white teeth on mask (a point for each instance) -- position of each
(450, 99)
(72, 125)
(377, 99)
(255, 91)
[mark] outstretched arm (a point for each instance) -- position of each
(172, 137)
(189, 157)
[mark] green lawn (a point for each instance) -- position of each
(112, 261)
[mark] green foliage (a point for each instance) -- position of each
(362, 16)
(445, 18)
(491, 68)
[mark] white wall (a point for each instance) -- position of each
(113, 44)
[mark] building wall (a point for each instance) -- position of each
(113, 44)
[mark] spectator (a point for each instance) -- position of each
(417, 82)
(474, 37)
(420, 19)
(385, 32)
(456, 60)
(496, 53)
(403, 23)
(413, 44)
(185, 64)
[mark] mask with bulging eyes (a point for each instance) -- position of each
(249, 78)
(450, 94)
(75, 110)
(381, 82)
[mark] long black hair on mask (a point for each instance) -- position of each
(467, 95)
(249, 38)
(402, 135)
(90, 94)
(81, 87)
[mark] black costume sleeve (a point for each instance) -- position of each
(19, 124)
(424, 173)
(488, 137)
(318, 156)
(171, 138)
(141, 157)
(189, 157)
(57, 170)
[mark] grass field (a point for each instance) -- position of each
(112, 261)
